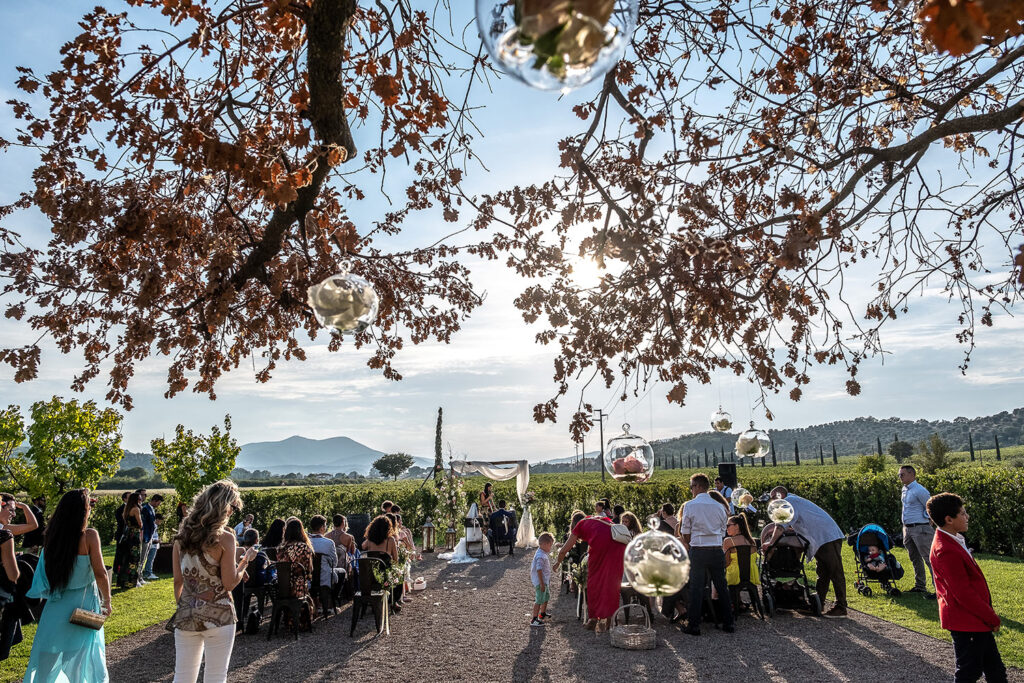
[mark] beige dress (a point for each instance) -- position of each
(204, 603)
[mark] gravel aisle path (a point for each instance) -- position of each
(471, 624)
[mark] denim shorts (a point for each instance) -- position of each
(541, 597)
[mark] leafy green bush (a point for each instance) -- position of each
(872, 463)
(933, 455)
(901, 451)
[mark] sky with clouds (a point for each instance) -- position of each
(492, 373)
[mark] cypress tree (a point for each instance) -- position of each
(775, 463)
(821, 455)
(999, 456)
(438, 461)
(970, 441)
(835, 458)
(796, 452)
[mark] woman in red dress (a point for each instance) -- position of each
(604, 569)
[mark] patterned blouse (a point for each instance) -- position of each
(204, 603)
(301, 554)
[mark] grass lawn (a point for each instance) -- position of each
(914, 612)
(133, 610)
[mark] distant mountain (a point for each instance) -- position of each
(143, 460)
(305, 456)
(859, 436)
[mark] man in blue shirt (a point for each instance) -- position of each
(917, 530)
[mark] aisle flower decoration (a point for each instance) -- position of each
(451, 501)
(527, 498)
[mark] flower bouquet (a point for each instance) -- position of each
(451, 501)
(527, 498)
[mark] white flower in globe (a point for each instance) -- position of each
(721, 421)
(741, 497)
(344, 302)
(781, 511)
(656, 563)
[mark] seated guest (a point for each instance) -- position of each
(617, 513)
(275, 534)
(667, 521)
(243, 526)
(329, 572)
(721, 499)
(258, 573)
(738, 534)
(297, 549)
(381, 544)
(386, 506)
(629, 520)
(502, 527)
(580, 549)
(344, 542)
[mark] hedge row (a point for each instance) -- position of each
(852, 498)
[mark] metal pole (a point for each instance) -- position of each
(601, 418)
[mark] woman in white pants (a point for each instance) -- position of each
(204, 574)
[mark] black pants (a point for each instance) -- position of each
(706, 560)
(976, 653)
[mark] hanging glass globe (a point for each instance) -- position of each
(781, 511)
(721, 421)
(656, 563)
(753, 443)
(344, 302)
(556, 44)
(629, 457)
(741, 498)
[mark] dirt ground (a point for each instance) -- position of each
(471, 624)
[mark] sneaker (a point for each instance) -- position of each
(140, 582)
(836, 611)
(151, 577)
(536, 622)
(915, 589)
(545, 615)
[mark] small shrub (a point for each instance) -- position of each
(901, 451)
(933, 455)
(872, 463)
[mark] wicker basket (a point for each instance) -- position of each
(632, 636)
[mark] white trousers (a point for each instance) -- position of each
(188, 654)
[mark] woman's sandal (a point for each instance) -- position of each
(590, 625)
(602, 626)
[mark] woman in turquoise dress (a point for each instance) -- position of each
(70, 574)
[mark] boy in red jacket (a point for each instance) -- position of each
(965, 606)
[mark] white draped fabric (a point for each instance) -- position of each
(525, 537)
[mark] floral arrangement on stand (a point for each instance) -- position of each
(391, 577)
(451, 501)
(527, 498)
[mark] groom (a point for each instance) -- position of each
(502, 528)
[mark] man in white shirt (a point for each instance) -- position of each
(702, 529)
(917, 529)
(826, 545)
(726, 493)
(330, 574)
(242, 527)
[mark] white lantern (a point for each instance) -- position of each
(656, 563)
(556, 44)
(721, 421)
(781, 511)
(344, 302)
(629, 457)
(753, 443)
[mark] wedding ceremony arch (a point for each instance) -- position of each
(500, 470)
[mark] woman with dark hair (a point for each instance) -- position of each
(629, 520)
(382, 543)
(487, 501)
(10, 617)
(275, 534)
(70, 575)
(617, 513)
(126, 558)
(205, 571)
(297, 549)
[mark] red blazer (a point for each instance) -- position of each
(964, 601)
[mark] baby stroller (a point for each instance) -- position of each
(783, 577)
(874, 535)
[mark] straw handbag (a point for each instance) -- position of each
(87, 618)
(632, 636)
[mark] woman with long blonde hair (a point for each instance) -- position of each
(204, 574)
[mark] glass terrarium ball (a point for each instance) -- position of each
(721, 421)
(656, 564)
(556, 44)
(629, 457)
(741, 498)
(781, 511)
(753, 443)
(344, 302)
